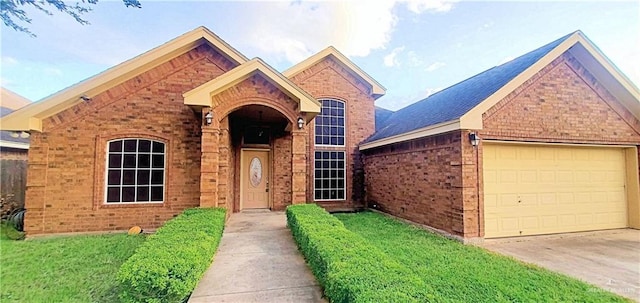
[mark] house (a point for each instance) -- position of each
(13, 157)
(546, 143)
(192, 123)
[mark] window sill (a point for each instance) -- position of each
(132, 205)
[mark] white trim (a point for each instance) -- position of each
(344, 126)
(201, 95)
(498, 142)
(344, 175)
(30, 117)
(122, 168)
(16, 145)
(377, 90)
(414, 134)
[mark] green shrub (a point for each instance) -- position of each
(347, 266)
(168, 266)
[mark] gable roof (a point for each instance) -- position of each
(201, 95)
(30, 117)
(11, 100)
(377, 90)
(461, 106)
(381, 116)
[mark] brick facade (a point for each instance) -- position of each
(329, 80)
(419, 180)
(437, 180)
(65, 183)
(67, 160)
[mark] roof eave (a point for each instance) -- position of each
(113, 76)
(623, 88)
(427, 131)
(377, 90)
(201, 96)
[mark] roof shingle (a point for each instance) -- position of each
(453, 102)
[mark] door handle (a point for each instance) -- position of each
(267, 189)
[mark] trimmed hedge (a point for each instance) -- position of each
(348, 267)
(169, 264)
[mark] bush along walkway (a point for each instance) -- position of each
(257, 262)
(368, 257)
(167, 267)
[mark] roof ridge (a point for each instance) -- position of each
(454, 101)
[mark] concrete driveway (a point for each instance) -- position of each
(608, 259)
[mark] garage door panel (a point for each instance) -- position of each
(531, 189)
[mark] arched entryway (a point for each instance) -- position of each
(253, 132)
(259, 157)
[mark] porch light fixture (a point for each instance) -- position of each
(208, 118)
(474, 139)
(300, 122)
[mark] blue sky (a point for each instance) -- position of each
(412, 47)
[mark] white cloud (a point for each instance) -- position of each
(391, 59)
(52, 71)
(435, 65)
(432, 90)
(414, 60)
(420, 6)
(8, 61)
(294, 31)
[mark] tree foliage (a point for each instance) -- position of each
(13, 15)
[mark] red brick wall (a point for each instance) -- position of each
(437, 180)
(281, 175)
(66, 163)
(563, 103)
(419, 180)
(328, 79)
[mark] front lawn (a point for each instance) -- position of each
(64, 269)
(465, 273)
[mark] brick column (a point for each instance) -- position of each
(209, 162)
(223, 165)
(298, 166)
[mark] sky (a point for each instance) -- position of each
(412, 47)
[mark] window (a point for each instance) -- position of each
(135, 171)
(329, 167)
(330, 123)
(329, 175)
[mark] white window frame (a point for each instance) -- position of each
(344, 127)
(122, 168)
(344, 175)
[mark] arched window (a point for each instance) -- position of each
(135, 171)
(330, 156)
(330, 123)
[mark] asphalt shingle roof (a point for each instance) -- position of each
(382, 114)
(453, 102)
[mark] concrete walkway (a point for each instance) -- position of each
(257, 261)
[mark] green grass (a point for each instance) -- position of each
(64, 269)
(465, 273)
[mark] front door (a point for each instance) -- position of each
(255, 179)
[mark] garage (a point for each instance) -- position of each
(534, 189)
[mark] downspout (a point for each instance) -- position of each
(480, 216)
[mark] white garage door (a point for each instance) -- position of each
(538, 189)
